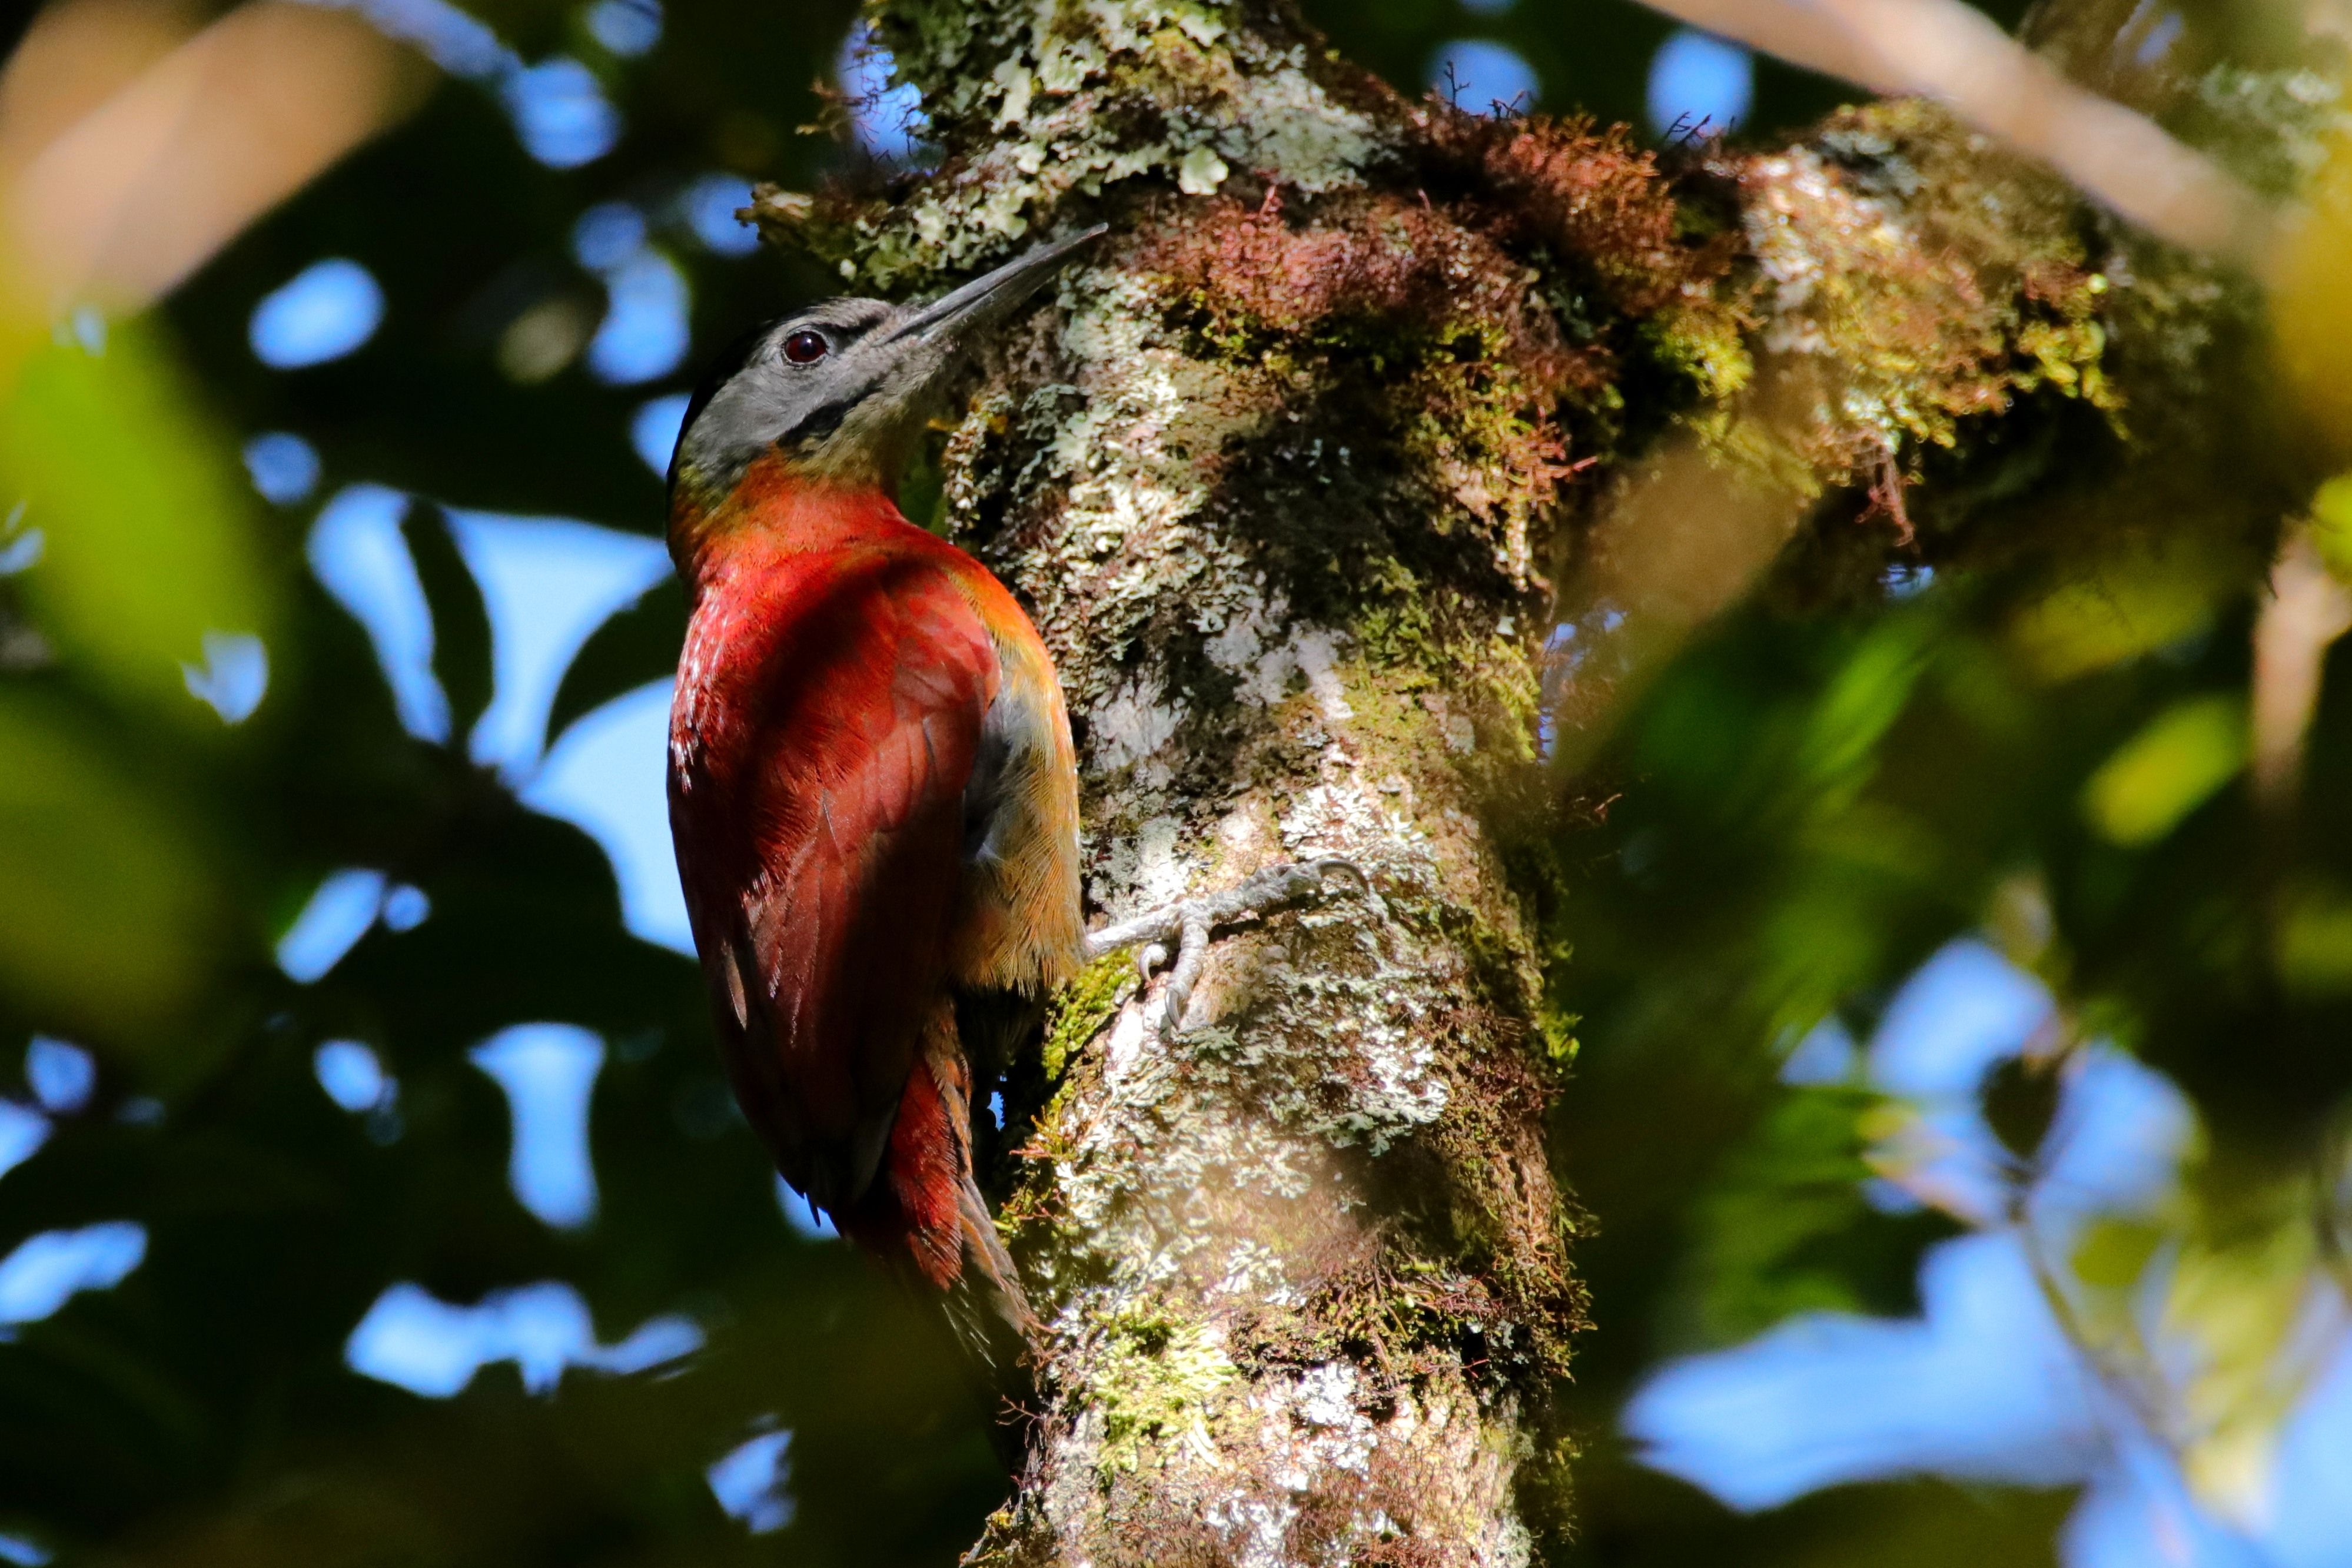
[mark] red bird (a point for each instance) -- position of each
(872, 788)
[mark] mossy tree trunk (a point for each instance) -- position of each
(1359, 400)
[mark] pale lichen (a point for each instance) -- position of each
(1045, 102)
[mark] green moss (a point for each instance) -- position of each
(1544, 1483)
(1155, 1379)
(1394, 626)
(1703, 348)
(1942, 282)
(1561, 1047)
(1083, 1006)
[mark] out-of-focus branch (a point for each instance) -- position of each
(2308, 610)
(1914, 282)
(119, 206)
(74, 56)
(1947, 50)
(1681, 541)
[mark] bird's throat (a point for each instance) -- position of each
(775, 511)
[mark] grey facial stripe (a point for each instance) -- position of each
(821, 421)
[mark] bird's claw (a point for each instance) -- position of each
(1191, 920)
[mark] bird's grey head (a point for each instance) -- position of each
(840, 390)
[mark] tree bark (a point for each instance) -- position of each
(1298, 474)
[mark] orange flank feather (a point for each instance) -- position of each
(874, 801)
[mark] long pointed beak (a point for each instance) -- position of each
(988, 296)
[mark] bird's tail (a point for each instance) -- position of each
(986, 1306)
(928, 1208)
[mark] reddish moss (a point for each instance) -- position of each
(1591, 198)
(1412, 318)
(1377, 270)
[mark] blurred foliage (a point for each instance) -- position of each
(147, 523)
(1784, 1228)
(2315, 314)
(150, 855)
(2046, 742)
(106, 902)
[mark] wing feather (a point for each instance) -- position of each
(819, 817)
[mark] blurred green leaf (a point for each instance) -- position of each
(108, 907)
(2168, 770)
(2315, 940)
(1862, 701)
(2311, 308)
(148, 524)
(1783, 1228)
(2235, 1317)
(2129, 605)
(2331, 525)
(2114, 1254)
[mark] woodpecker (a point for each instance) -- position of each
(872, 789)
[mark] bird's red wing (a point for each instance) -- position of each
(821, 829)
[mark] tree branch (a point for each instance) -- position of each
(1280, 474)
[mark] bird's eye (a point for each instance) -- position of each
(806, 348)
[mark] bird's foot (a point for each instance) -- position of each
(1189, 921)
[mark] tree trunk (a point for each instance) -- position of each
(1281, 474)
